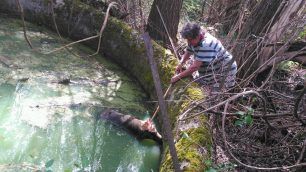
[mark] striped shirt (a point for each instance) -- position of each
(216, 60)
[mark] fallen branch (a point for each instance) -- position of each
(236, 159)
(220, 104)
(23, 22)
(56, 28)
(302, 153)
(89, 38)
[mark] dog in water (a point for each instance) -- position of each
(141, 129)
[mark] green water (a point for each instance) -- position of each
(45, 125)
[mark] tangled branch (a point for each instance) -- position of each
(92, 37)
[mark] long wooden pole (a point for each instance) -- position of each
(165, 119)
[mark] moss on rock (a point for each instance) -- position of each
(192, 149)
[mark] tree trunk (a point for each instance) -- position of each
(277, 32)
(254, 25)
(133, 14)
(260, 16)
(212, 13)
(270, 22)
(230, 15)
(142, 23)
(170, 10)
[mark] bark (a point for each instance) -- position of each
(212, 13)
(280, 26)
(260, 16)
(230, 14)
(170, 11)
(133, 14)
(246, 52)
(142, 23)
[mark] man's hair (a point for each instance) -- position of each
(190, 31)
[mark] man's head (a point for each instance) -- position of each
(191, 32)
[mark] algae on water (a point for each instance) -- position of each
(49, 107)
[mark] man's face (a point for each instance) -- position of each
(193, 42)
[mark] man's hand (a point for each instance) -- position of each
(175, 78)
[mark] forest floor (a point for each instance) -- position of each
(263, 130)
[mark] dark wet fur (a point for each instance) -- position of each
(131, 124)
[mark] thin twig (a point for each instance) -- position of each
(72, 43)
(165, 95)
(237, 160)
(217, 105)
(89, 38)
(57, 30)
(171, 41)
(302, 153)
(103, 27)
(23, 22)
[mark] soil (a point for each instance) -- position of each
(265, 132)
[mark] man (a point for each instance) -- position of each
(211, 60)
